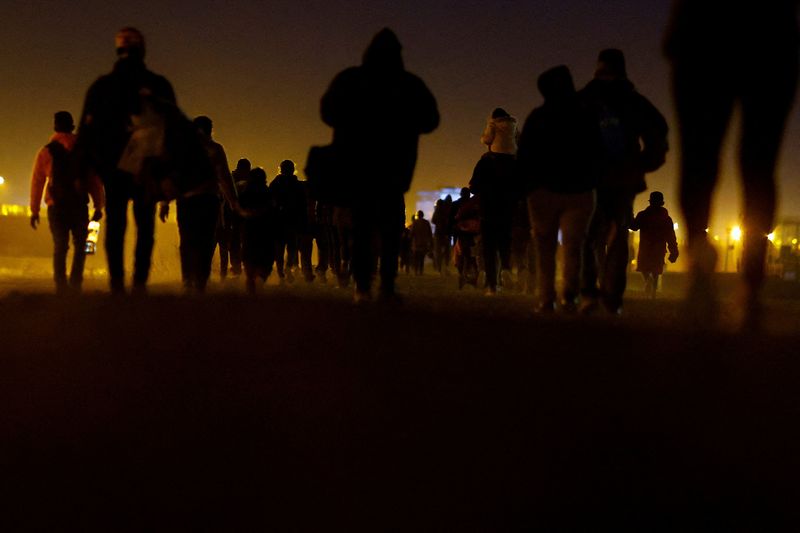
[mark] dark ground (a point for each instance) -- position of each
(455, 412)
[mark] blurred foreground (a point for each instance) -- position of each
(296, 410)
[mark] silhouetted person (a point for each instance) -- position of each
(65, 195)
(377, 112)
(289, 201)
(723, 55)
(198, 212)
(495, 182)
(421, 242)
(657, 235)
(258, 243)
(442, 240)
(467, 222)
(229, 227)
(115, 103)
(558, 158)
(634, 142)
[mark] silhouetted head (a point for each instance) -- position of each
(448, 199)
(464, 193)
(63, 123)
(656, 199)
(556, 83)
(611, 65)
(243, 165)
(258, 175)
(383, 53)
(438, 203)
(420, 215)
(499, 112)
(129, 43)
(287, 167)
(204, 125)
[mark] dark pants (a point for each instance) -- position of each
(496, 239)
(120, 189)
(605, 250)
(377, 226)
(197, 219)
(229, 239)
(285, 248)
(419, 261)
(63, 222)
(305, 246)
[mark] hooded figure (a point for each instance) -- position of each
(377, 111)
(500, 134)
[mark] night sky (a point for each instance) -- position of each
(259, 69)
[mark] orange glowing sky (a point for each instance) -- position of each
(259, 68)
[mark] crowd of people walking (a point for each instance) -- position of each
(570, 174)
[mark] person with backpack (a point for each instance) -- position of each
(633, 142)
(119, 107)
(66, 197)
(657, 235)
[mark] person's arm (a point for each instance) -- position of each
(98, 194)
(41, 166)
(637, 222)
(163, 210)
(225, 179)
(672, 242)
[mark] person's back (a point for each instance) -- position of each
(377, 111)
(500, 134)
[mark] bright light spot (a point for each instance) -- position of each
(736, 233)
(771, 237)
(675, 226)
(716, 237)
(706, 230)
(794, 241)
(2, 180)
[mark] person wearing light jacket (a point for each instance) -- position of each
(66, 199)
(500, 134)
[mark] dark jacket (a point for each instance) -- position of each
(657, 235)
(377, 112)
(559, 148)
(289, 200)
(111, 100)
(633, 133)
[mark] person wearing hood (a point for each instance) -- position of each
(558, 157)
(500, 134)
(105, 129)
(634, 142)
(377, 111)
(656, 237)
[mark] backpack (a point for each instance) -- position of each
(64, 187)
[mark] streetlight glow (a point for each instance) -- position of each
(736, 233)
(2, 180)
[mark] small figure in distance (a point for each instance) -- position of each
(657, 235)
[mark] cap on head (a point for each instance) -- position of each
(611, 64)
(129, 42)
(62, 122)
(287, 166)
(204, 124)
(656, 198)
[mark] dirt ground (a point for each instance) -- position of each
(296, 410)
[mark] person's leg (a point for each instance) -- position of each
(593, 251)
(59, 229)
(543, 213)
(235, 244)
(144, 214)
(578, 209)
(391, 229)
(186, 231)
(206, 213)
(489, 238)
(79, 227)
(117, 196)
(615, 275)
(364, 227)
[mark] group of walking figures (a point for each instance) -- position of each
(572, 172)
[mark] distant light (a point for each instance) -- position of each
(736, 233)
(716, 237)
(706, 230)
(2, 180)
(771, 237)
(675, 226)
(794, 241)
